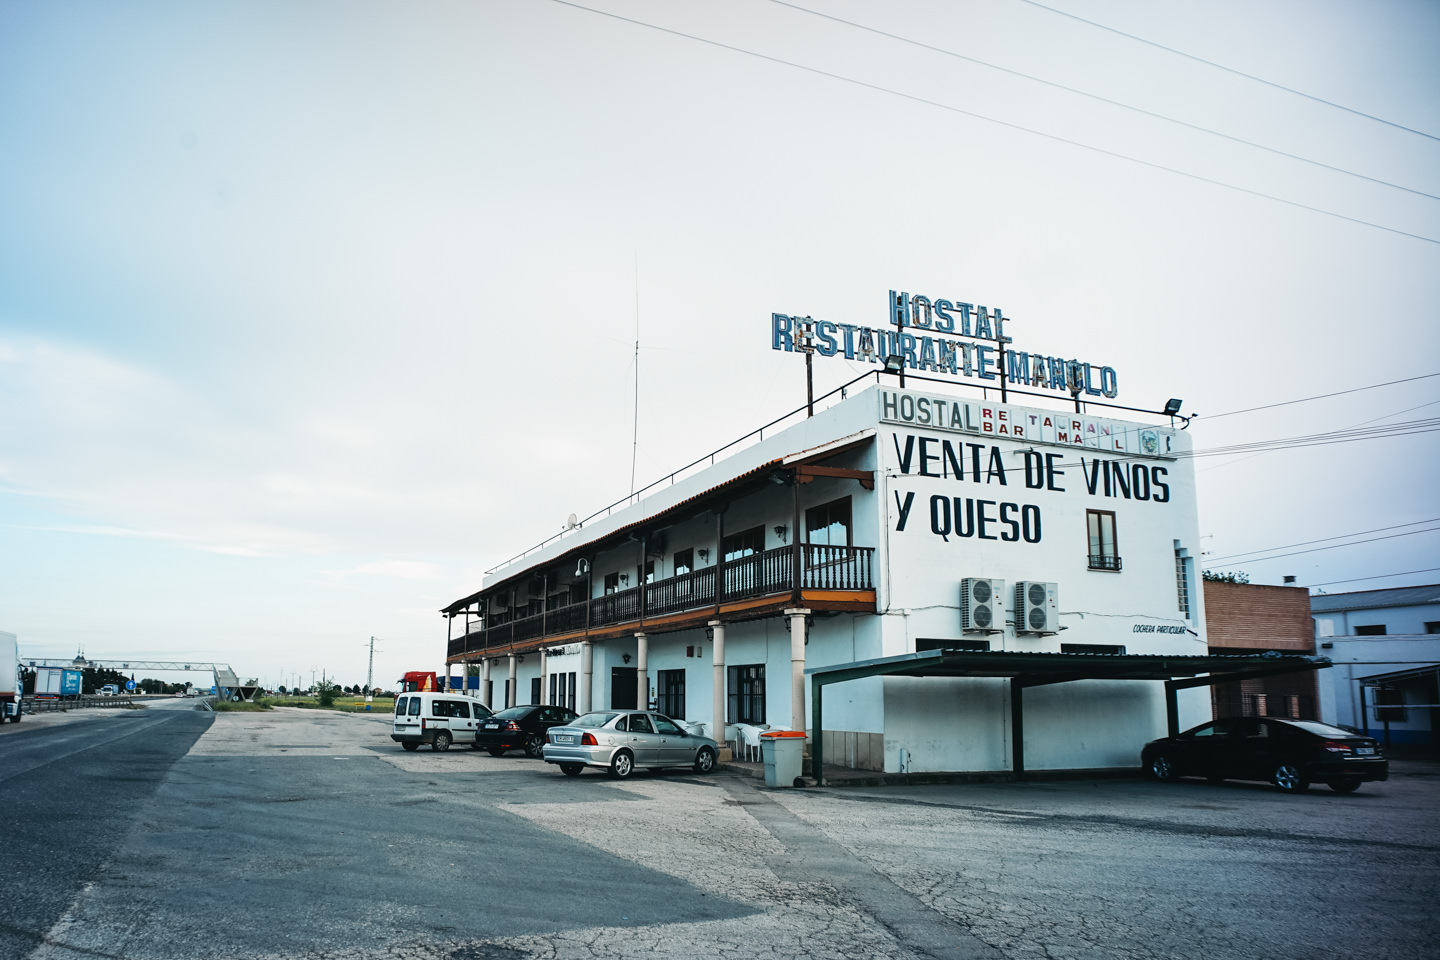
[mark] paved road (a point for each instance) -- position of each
(70, 788)
(308, 834)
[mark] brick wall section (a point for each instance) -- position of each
(1249, 616)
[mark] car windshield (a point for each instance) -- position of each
(593, 720)
(1322, 729)
(513, 713)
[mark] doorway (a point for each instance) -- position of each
(623, 687)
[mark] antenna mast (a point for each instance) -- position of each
(635, 429)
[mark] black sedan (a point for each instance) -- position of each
(1292, 754)
(521, 727)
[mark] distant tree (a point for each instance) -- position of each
(1234, 576)
(280, 690)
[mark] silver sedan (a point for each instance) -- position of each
(621, 740)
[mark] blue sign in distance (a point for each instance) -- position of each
(129, 684)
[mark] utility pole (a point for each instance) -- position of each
(806, 344)
(370, 674)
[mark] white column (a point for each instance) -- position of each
(510, 692)
(544, 665)
(717, 730)
(587, 666)
(797, 617)
(642, 669)
(485, 683)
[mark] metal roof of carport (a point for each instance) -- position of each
(1040, 669)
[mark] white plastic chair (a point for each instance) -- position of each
(748, 738)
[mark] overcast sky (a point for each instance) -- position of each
(312, 312)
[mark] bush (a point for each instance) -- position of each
(325, 696)
(1235, 576)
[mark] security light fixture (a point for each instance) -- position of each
(1172, 407)
(895, 363)
(704, 553)
(581, 567)
(780, 529)
(624, 578)
(625, 657)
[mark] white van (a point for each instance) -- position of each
(438, 719)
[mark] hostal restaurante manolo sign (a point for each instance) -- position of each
(943, 336)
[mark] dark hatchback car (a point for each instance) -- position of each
(521, 727)
(1292, 754)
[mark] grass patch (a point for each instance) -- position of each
(225, 706)
(343, 704)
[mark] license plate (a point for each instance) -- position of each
(561, 738)
(1364, 751)
(492, 726)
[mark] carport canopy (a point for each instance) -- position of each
(1040, 669)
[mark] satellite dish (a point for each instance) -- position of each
(571, 522)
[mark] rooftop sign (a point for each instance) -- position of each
(943, 336)
(952, 415)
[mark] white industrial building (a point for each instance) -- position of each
(925, 560)
(1385, 645)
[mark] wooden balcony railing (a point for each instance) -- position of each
(771, 573)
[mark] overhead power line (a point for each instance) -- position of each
(1114, 103)
(1238, 73)
(1322, 396)
(1383, 576)
(995, 120)
(1343, 536)
(1334, 546)
(1402, 429)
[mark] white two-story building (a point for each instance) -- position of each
(946, 571)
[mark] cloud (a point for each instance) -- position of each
(394, 569)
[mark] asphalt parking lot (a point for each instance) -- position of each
(309, 834)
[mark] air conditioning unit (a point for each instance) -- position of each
(1037, 607)
(982, 605)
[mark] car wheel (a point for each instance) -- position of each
(1288, 777)
(411, 746)
(572, 769)
(1161, 767)
(705, 760)
(495, 751)
(1348, 785)
(441, 743)
(535, 746)
(622, 765)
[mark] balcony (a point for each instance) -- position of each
(1104, 561)
(839, 572)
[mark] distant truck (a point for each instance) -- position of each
(419, 681)
(11, 684)
(110, 690)
(53, 683)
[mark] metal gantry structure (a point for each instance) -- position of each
(227, 684)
